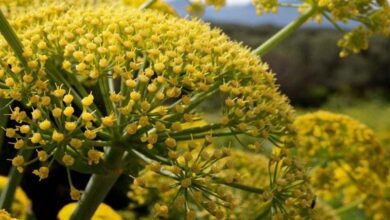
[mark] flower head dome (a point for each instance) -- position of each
(109, 76)
(346, 157)
(329, 137)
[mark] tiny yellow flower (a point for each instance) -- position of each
(44, 125)
(70, 125)
(87, 101)
(57, 136)
(42, 172)
(68, 160)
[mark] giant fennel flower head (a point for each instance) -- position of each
(245, 186)
(110, 77)
(346, 157)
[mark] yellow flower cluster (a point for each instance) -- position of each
(189, 180)
(287, 190)
(14, 8)
(372, 15)
(258, 186)
(4, 215)
(21, 205)
(327, 136)
(108, 76)
(266, 6)
(198, 7)
(346, 157)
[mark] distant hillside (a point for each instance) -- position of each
(309, 69)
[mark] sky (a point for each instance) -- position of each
(230, 2)
(244, 2)
(237, 2)
(241, 2)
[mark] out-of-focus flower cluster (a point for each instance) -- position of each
(4, 215)
(346, 157)
(266, 6)
(373, 17)
(197, 7)
(111, 76)
(103, 212)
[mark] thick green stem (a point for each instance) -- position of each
(98, 187)
(284, 33)
(7, 195)
(14, 179)
(12, 39)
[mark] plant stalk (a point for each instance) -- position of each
(147, 4)
(348, 207)
(14, 179)
(284, 33)
(3, 119)
(99, 186)
(12, 39)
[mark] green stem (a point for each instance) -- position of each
(14, 179)
(240, 186)
(147, 4)
(12, 39)
(348, 207)
(3, 119)
(104, 89)
(284, 33)
(98, 187)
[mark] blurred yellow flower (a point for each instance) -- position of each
(4, 215)
(104, 212)
(21, 205)
(346, 157)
